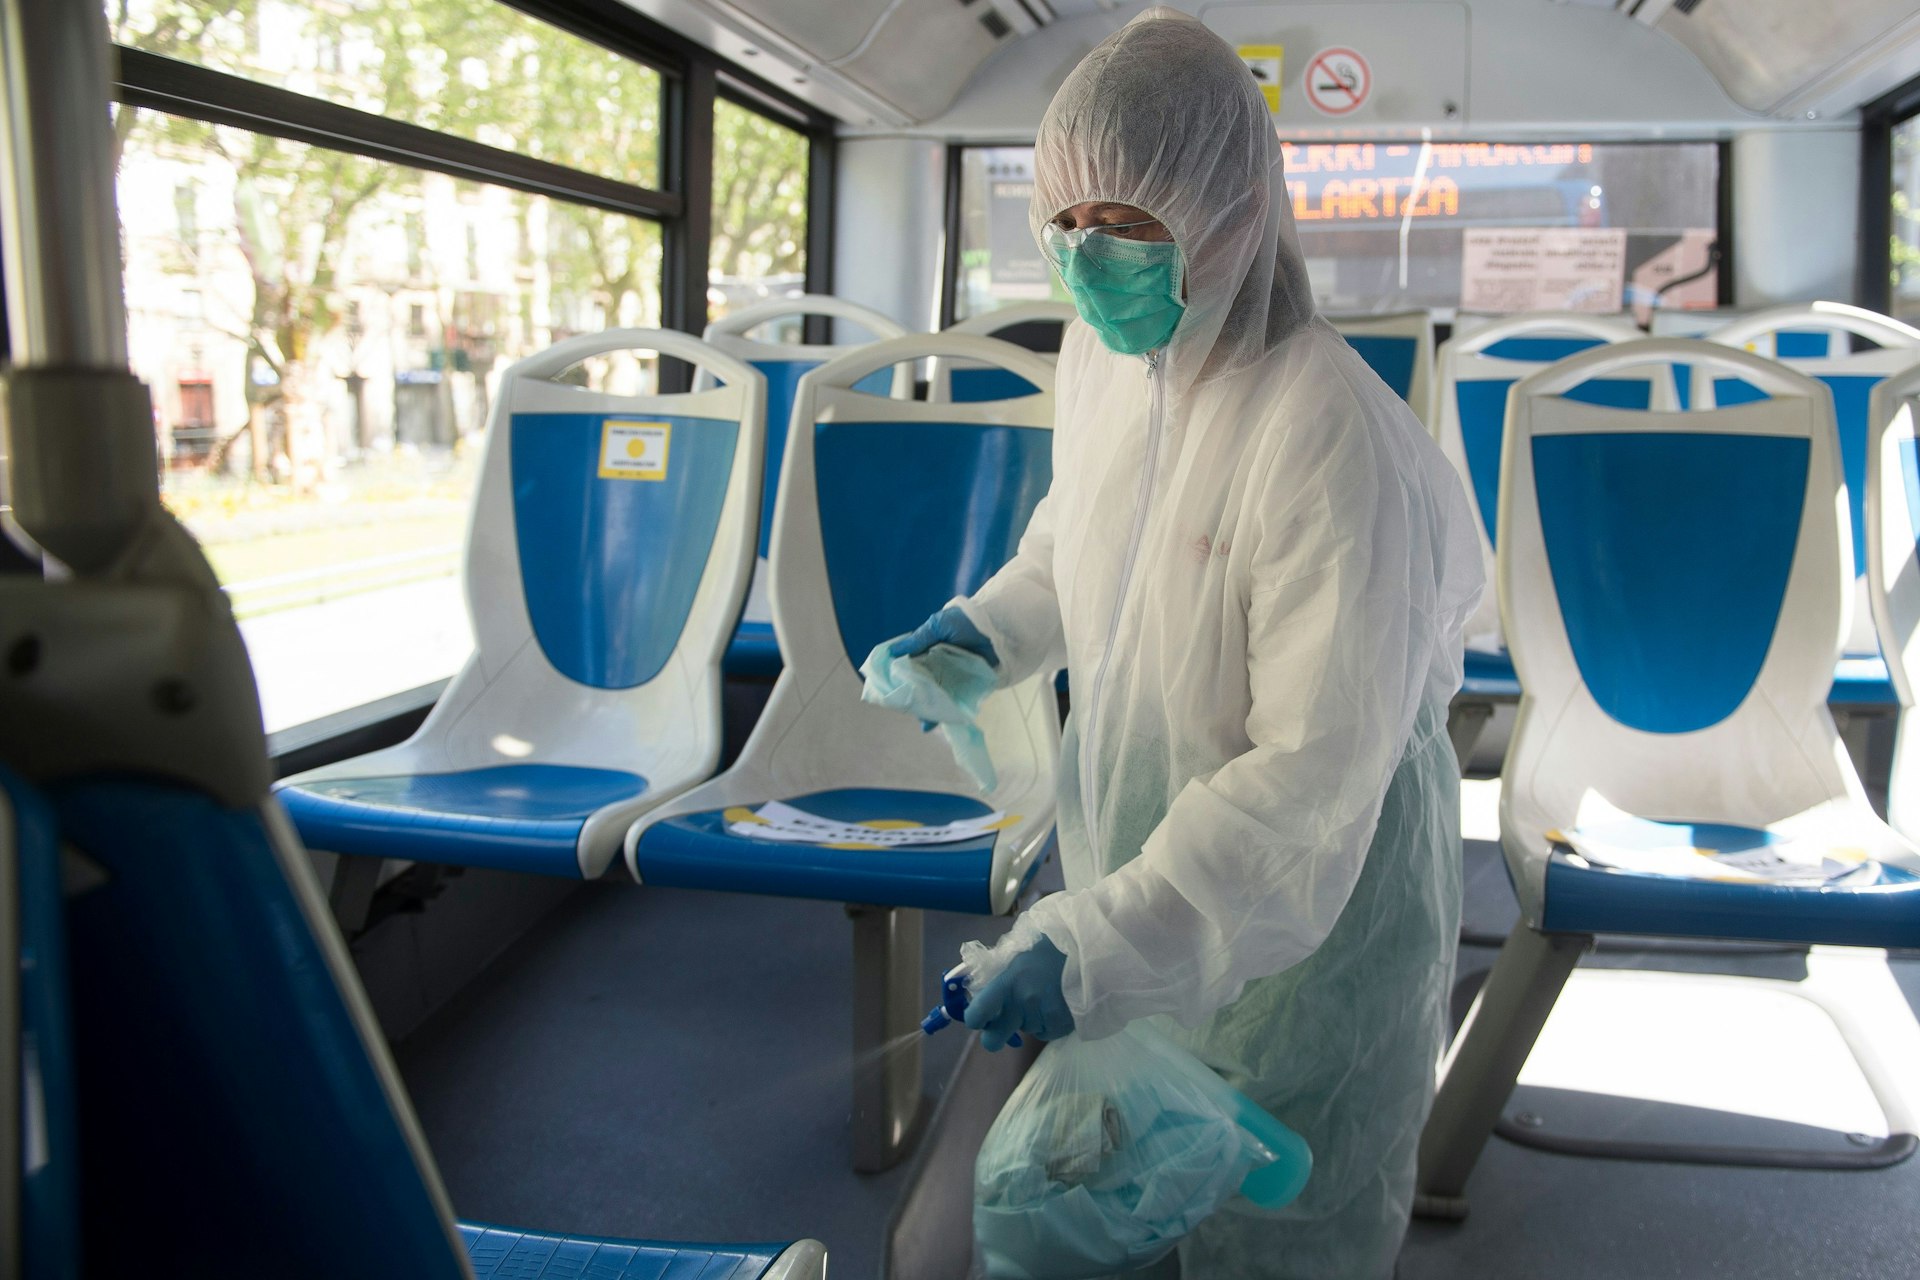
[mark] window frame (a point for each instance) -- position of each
(691, 77)
(1723, 202)
(1873, 286)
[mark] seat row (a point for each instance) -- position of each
(1478, 369)
(611, 547)
(1676, 589)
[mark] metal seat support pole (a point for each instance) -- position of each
(1484, 1060)
(888, 1002)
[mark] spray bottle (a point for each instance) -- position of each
(953, 1005)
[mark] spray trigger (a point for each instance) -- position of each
(953, 1006)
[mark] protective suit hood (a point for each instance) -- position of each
(1164, 116)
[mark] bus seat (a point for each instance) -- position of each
(1399, 347)
(220, 1034)
(1038, 326)
(1815, 339)
(869, 539)
(1893, 573)
(602, 588)
(48, 1187)
(500, 1254)
(1675, 668)
(1475, 372)
(753, 651)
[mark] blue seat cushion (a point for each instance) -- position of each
(504, 1254)
(696, 851)
(975, 386)
(1857, 682)
(515, 817)
(1490, 675)
(753, 651)
(1880, 910)
(1862, 682)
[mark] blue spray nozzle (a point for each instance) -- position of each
(953, 1007)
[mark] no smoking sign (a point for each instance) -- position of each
(1338, 81)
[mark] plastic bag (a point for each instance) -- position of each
(945, 685)
(1110, 1151)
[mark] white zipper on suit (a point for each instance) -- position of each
(1089, 742)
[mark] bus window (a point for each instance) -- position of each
(1904, 243)
(760, 177)
(1393, 225)
(476, 69)
(323, 334)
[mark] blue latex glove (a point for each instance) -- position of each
(949, 626)
(1026, 997)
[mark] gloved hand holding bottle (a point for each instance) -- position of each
(1025, 997)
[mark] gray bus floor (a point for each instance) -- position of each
(673, 1064)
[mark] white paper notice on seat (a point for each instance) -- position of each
(777, 821)
(1784, 862)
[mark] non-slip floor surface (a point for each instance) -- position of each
(665, 1063)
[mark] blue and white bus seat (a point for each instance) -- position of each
(1675, 668)
(1893, 574)
(887, 510)
(1816, 338)
(609, 552)
(39, 1194)
(1474, 373)
(949, 380)
(783, 359)
(220, 1034)
(1399, 347)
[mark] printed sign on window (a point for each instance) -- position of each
(1542, 269)
(634, 450)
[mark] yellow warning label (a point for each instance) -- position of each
(634, 450)
(1264, 61)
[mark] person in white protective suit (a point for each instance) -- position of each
(1255, 566)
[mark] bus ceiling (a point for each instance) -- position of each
(1720, 65)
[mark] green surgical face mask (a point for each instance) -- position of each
(1128, 290)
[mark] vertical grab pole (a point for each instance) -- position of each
(132, 662)
(58, 228)
(60, 249)
(83, 477)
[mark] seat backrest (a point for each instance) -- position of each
(1815, 339)
(609, 553)
(239, 1113)
(965, 381)
(784, 363)
(1673, 596)
(888, 509)
(1476, 372)
(39, 1193)
(1399, 347)
(1893, 571)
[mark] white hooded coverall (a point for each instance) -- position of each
(1255, 566)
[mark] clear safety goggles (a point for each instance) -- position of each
(1059, 241)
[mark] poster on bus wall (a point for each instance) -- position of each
(1543, 269)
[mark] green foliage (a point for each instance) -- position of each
(759, 195)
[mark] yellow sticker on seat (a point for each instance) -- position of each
(634, 450)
